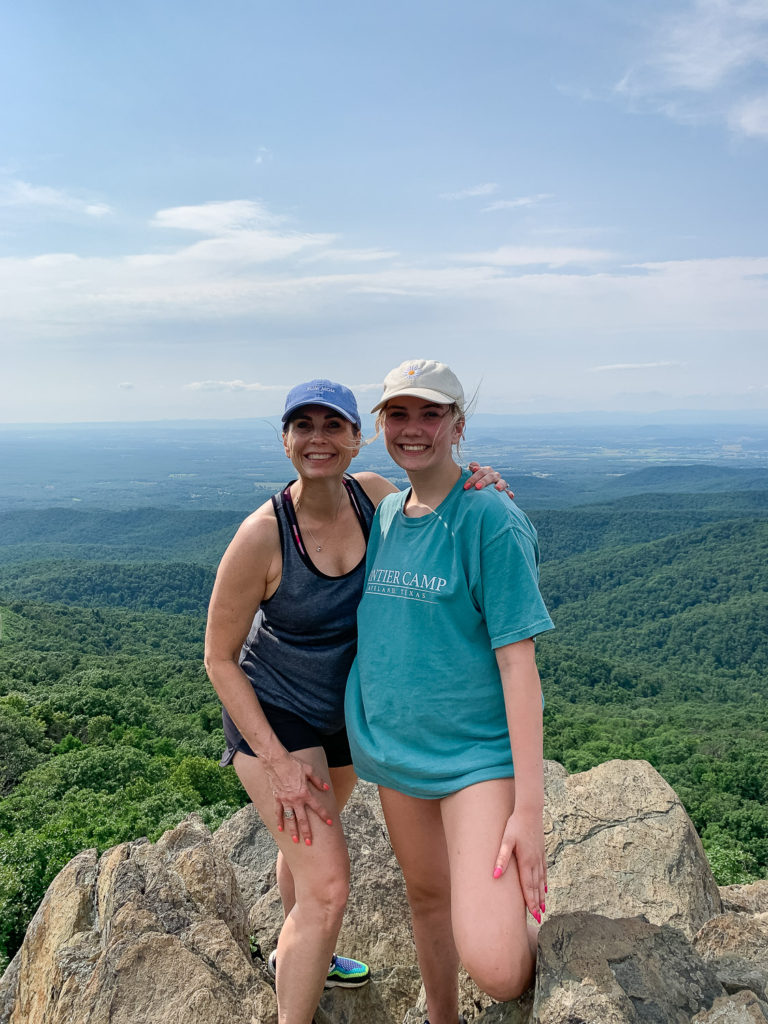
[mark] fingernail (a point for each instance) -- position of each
(467, 485)
(546, 889)
(537, 917)
(329, 821)
(326, 787)
(279, 828)
(295, 839)
(543, 908)
(497, 872)
(308, 842)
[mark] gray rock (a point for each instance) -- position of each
(736, 947)
(746, 899)
(251, 850)
(742, 1008)
(148, 932)
(592, 968)
(620, 843)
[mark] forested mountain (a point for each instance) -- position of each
(110, 730)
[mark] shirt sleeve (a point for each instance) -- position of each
(506, 588)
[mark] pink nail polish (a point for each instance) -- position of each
(546, 889)
(543, 908)
(537, 917)
(279, 828)
(326, 787)
(308, 842)
(497, 872)
(295, 839)
(329, 821)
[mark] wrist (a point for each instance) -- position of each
(274, 754)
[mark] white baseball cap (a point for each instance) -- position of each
(423, 378)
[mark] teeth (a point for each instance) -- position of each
(413, 447)
(318, 458)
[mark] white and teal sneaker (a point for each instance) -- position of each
(343, 972)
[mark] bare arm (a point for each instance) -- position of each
(247, 573)
(524, 833)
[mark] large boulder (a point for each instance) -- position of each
(620, 843)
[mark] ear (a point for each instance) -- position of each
(357, 439)
(458, 430)
(286, 445)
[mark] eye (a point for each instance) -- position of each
(396, 414)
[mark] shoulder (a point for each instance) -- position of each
(494, 514)
(375, 486)
(258, 535)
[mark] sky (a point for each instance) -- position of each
(204, 203)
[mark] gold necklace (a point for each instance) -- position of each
(318, 546)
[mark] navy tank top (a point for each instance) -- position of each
(303, 641)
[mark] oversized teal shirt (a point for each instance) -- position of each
(424, 703)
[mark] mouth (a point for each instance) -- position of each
(415, 448)
(318, 457)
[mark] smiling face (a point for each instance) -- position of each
(419, 434)
(320, 442)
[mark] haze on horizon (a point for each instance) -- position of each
(565, 201)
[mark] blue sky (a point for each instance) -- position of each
(201, 204)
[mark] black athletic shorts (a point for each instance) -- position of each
(293, 732)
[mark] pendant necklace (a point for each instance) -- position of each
(318, 546)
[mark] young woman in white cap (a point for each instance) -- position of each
(280, 640)
(443, 703)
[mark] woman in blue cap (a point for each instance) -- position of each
(280, 641)
(443, 703)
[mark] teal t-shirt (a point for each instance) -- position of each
(424, 703)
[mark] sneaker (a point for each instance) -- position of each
(343, 972)
(347, 973)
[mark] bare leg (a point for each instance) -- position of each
(342, 783)
(321, 884)
(416, 830)
(489, 915)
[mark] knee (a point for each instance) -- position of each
(501, 979)
(325, 898)
(426, 897)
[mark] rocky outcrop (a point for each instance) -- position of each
(148, 932)
(636, 930)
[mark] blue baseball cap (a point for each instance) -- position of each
(323, 392)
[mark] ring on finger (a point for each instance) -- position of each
(288, 812)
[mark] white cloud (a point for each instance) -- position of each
(666, 364)
(514, 204)
(352, 255)
(751, 117)
(290, 283)
(17, 193)
(217, 218)
(531, 256)
(232, 385)
(475, 190)
(707, 61)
